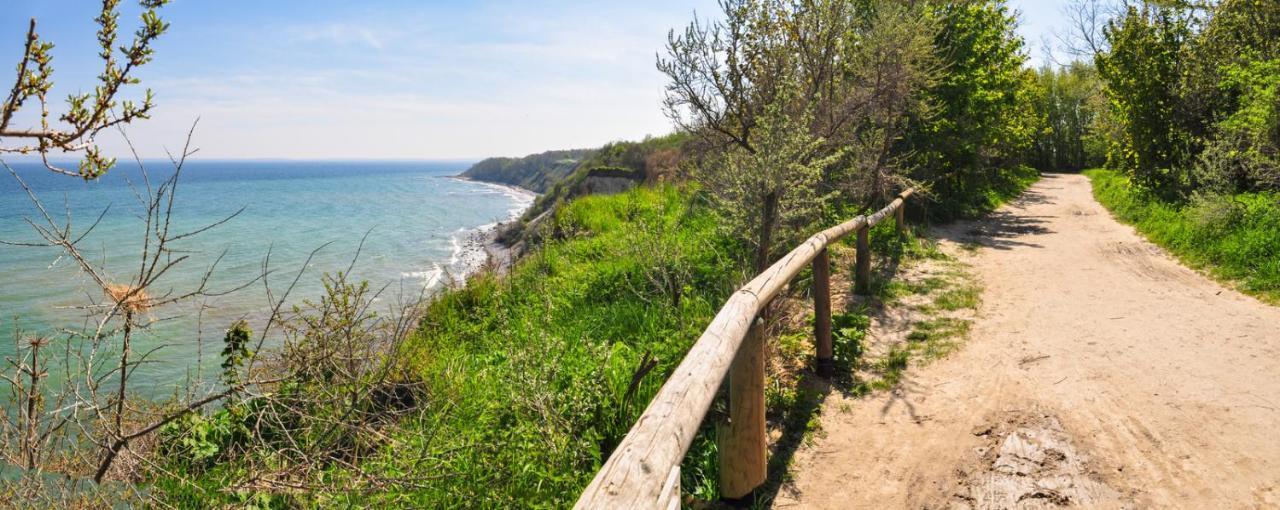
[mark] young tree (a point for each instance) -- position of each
(845, 73)
(888, 65)
(770, 195)
(87, 113)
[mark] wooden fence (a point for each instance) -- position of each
(644, 470)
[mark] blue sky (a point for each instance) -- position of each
(391, 79)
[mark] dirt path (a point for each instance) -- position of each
(1099, 373)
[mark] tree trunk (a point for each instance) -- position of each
(764, 238)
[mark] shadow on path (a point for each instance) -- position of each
(888, 253)
(1003, 229)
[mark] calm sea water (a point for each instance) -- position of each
(418, 220)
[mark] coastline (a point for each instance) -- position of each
(479, 248)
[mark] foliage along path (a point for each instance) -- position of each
(1098, 373)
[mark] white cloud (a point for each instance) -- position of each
(340, 34)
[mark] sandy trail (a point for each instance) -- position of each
(1099, 373)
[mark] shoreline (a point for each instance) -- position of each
(479, 247)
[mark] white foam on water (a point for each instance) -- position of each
(429, 277)
(521, 198)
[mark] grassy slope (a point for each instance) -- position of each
(1236, 239)
(532, 369)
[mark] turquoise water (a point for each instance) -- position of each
(418, 220)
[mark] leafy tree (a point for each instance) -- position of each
(846, 74)
(1142, 71)
(1192, 87)
(769, 195)
(87, 113)
(982, 121)
(891, 63)
(1245, 154)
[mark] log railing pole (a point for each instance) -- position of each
(822, 313)
(742, 442)
(862, 266)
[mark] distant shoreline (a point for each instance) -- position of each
(482, 247)
(523, 189)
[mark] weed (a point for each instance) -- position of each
(957, 298)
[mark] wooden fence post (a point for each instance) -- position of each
(862, 266)
(742, 442)
(900, 220)
(822, 313)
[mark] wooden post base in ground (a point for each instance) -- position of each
(742, 441)
(900, 220)
(822, 313)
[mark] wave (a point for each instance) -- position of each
(521, 198)
(430, 277)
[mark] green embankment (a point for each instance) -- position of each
(531, 371)
(1235, 238)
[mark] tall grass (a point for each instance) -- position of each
(1234, 237)
(531, 372)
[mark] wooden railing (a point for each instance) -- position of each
(644, 470)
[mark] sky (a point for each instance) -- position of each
(391, 79)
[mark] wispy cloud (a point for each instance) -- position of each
(341, 34)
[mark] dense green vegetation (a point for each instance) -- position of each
(982, 121)
(1235, 237)
(535, 172)
(1194, 93)
(1072, 133)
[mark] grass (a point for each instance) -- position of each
(945, 289)
(528, 376)
(958, 298)
(534, 368)
(1235, 238)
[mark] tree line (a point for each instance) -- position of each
(1182, 97)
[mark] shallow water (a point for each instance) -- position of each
(418, 221)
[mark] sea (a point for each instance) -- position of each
(405, 227)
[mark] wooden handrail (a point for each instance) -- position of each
(644, 470)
